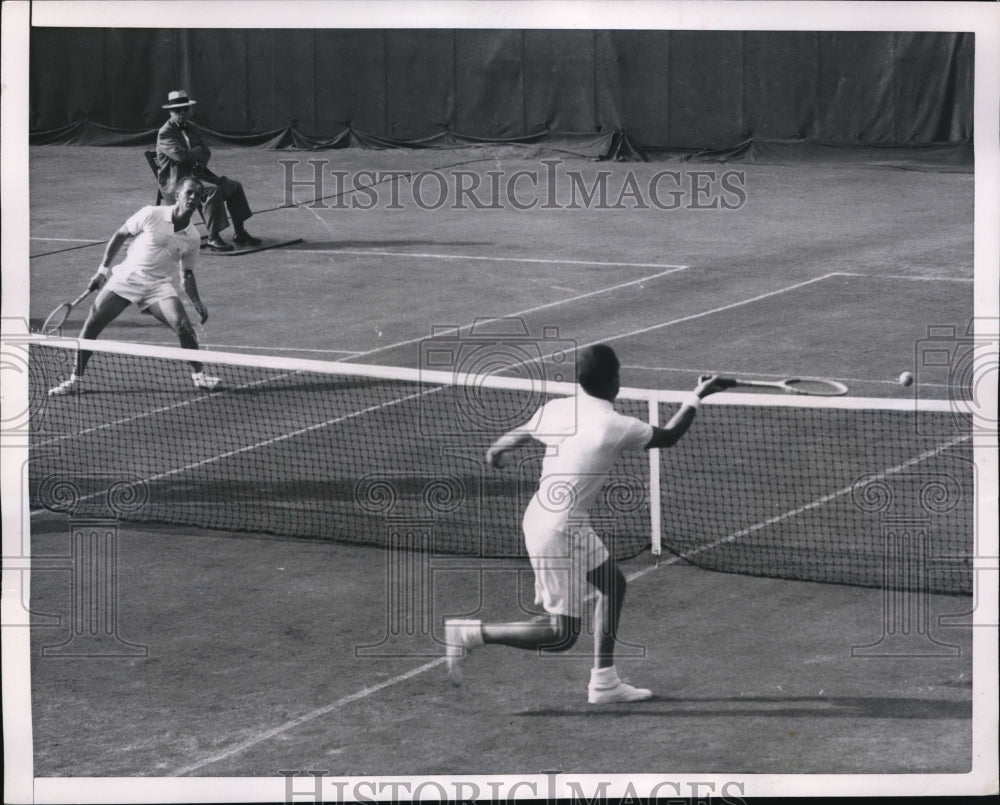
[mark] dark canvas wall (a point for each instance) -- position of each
(669, 89)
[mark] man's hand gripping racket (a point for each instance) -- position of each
(710, 384)
(57, 318)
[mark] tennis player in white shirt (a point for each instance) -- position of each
(584, 437)
(164, 240)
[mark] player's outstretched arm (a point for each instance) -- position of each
(678, 425)
(110, 250)
(509, 441)
(191, 289)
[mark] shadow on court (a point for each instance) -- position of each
(774, 707)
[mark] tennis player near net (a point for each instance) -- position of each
(584, 437)
(164, 238)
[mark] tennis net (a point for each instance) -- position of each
(847, 490)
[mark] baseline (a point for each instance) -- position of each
(489, 259)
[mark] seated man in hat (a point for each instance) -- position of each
(180, 153)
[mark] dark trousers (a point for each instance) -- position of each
(221, 194)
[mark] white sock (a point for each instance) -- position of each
(604, 677)
(474, 633)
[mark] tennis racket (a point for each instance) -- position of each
(796, 385)
(57, 318)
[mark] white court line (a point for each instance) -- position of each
(304, 719)
(453, 330)
(669, 270)
(488, 259)
(724, 308)
(143, 415)
(265, 443)
(151, 412)
(368, 691)
(901, 277)
(292, 434)
(349, 352)
(244, 347)
(665, 268)
(121, 421)
(525, 312)
(428, 666)
(704, 313)
(824, 499)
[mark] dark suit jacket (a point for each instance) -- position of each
(176, 160)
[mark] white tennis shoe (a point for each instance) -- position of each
(620, 692)
(203, 381)
(69, 386)
(460, 636)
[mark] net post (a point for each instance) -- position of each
(654, 483)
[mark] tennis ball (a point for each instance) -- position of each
(906, 379)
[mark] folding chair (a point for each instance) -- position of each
(151, 161)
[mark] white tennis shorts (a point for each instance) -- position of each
(561, 562)
(140, 292)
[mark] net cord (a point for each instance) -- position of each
(494, 381)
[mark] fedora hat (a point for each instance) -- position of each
(178, 98)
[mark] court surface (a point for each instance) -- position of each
(252, 654)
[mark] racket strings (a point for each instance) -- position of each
(56, 319)
(830, 388)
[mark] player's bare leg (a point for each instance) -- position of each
(558, 633)
(106, 308)
(610, 584)
(171, 312)
(605, 685)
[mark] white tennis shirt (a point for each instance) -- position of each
(584, 436)
(157, 250)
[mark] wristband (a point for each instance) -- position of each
(692, 400)
(104, 271)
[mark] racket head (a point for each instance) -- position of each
(814, 387)
(56, 319)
